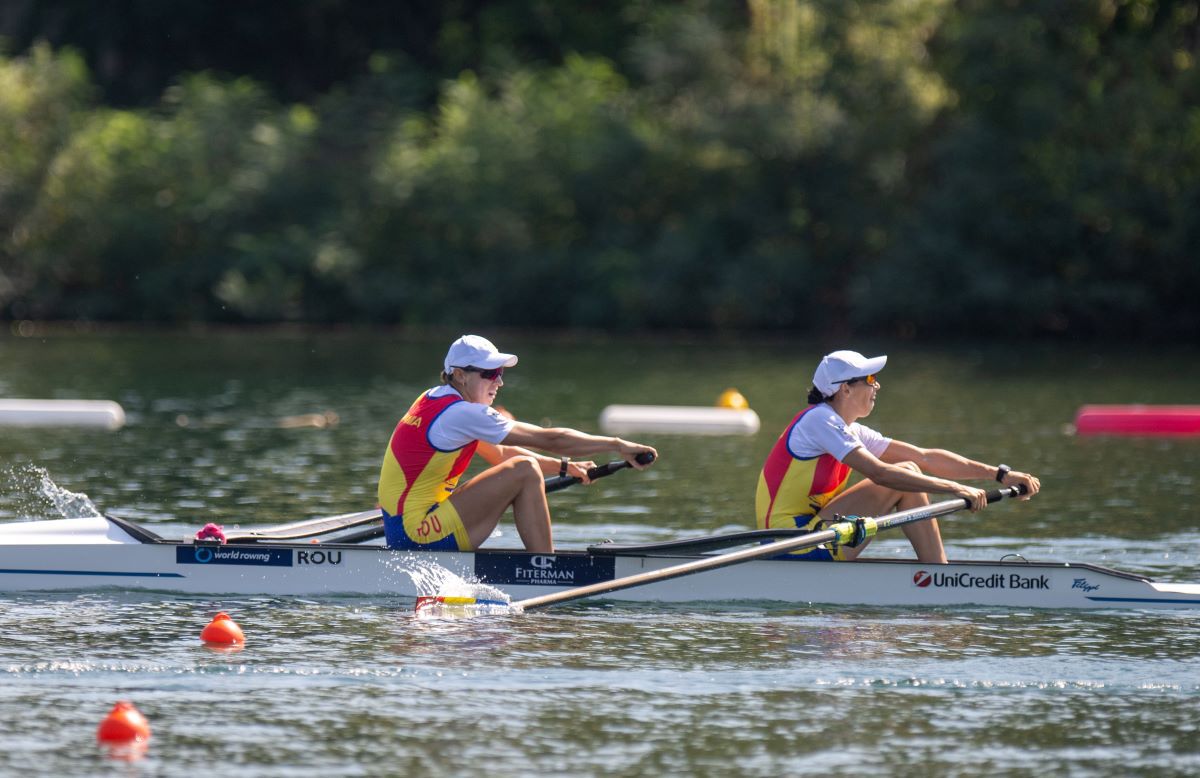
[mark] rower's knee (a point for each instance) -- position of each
(526, 469)
(913, 466)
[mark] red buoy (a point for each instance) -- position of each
(1149, 420)
(123, 724)
(223, 630)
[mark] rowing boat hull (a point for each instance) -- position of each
(90, 554)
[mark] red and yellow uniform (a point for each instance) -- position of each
(417, 479)
(792, 489)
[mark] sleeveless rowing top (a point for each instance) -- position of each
(791, 486)
(417, 475)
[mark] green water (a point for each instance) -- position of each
(357, 686)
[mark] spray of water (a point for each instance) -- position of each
(27, 492)
(433, 580)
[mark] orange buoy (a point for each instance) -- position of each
(123, 724)
(223, 630)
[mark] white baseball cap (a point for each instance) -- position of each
(840, 366)
(474, 351)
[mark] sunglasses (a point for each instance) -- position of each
(487, 375)
(870, 379)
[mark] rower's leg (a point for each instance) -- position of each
(867, 498)
(925, 536)
(517, 482)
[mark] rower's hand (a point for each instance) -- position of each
(1032, 484)
(976, 498)
(580, 470)
(631, 451)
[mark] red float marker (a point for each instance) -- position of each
(223, 630)
(1143, 420)
(124, 725)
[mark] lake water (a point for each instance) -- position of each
(359, 686)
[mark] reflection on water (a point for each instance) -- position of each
(601, 688)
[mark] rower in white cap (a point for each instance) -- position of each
(423, 506)
(804, 480)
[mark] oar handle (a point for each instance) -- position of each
(560, 482)
(996, 495)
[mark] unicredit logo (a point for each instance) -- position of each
(922, 578)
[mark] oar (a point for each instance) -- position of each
(560, 482)
(841, 532)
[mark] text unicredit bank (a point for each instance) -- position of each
(968, 580)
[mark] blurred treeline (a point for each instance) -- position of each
(932, 168)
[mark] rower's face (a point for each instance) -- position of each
(863, 394)
(477, 389)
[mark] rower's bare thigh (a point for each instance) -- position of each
(486, 496)
(865, 498)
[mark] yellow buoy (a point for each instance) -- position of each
(732, 398)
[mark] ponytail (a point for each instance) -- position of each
(815, 397)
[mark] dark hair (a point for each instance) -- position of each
(814, 396)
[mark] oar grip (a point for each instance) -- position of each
(560, 482)
(996, 495)
(599, 471)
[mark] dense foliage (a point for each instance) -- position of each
(815, 166)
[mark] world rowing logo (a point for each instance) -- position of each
(922, 578)
(187, 554)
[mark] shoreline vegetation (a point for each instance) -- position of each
(1047, 346)
(916, 172)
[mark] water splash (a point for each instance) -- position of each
(433, 580)
(28, 492)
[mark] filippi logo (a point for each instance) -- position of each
(922, 578)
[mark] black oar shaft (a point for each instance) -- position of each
(839, 533)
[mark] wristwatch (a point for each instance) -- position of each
(1002, 471)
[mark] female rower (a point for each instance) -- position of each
(434, 442)
(803, 482)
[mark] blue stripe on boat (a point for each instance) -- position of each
(91, 572)
(1181, 600)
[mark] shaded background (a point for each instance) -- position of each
(913, 170)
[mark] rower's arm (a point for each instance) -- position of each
(550, 466)
(947, 464)
(906, 480)
(938, 461)
(886, 473)
(572, 443)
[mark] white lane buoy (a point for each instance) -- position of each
(61, 413)
(678, 420)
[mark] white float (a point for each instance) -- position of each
(731, 416)
(61, 413)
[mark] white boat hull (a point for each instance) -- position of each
(89, 554)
